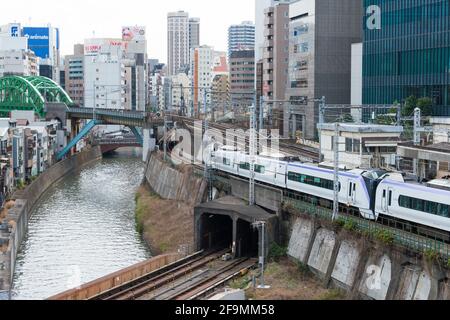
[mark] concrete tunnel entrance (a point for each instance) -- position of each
(217, 232)
(228, 223)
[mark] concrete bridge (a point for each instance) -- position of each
(112, 144)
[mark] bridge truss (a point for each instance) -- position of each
(30, 93)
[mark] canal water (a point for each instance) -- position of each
(82, 229)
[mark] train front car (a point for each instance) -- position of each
(419, 207)
(318, 183)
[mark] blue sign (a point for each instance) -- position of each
(14, 31)
(38, 41)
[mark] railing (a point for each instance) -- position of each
(380, 230)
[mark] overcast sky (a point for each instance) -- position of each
(78, 19)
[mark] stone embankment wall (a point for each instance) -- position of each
(365, 269)
(15, 225)
(179, 184)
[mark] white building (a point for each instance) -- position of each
(361, 146)
(177, 41)
(181, 92)
(15, 57)
(201, 74)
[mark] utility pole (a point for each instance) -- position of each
(417, 131)
(261, 113)
(261, 226)
(337, 134)
(207, 151)
(322, 107)
(252, 152)
(165, 138)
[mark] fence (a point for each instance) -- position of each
(433, 247)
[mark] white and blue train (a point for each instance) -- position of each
(373, 193)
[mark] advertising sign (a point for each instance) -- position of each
(38, 41)
(15, 31)
(133, 33)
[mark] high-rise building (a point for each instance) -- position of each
(202, 59)
(194, 33)
(276, 51)
(406, 52)
(74, 73)
(45, 43)
(242, 78)
(321, 36)
(177, 41)
(260, 8)
(241, 37)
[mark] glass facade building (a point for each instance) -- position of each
(409, 54)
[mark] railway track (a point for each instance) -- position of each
(306, 153)
(159, 278)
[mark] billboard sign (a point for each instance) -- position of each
(133, 33)
(15, 31)
(38, 41)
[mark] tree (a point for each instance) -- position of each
(425, 105)
(411, 103)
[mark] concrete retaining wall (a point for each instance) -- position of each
(18, 216)
(365, 269)
(116, 279)
(174, 184)
(265, 196)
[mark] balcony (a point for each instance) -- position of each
(268, 77)
(268, 54)
(269, 20)
(268, 32)
(268, 43)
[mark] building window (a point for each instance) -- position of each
(352, 145)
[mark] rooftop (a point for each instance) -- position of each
(361, 128)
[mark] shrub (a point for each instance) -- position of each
(448, 263)
(303, 269)
(351, 225)
(385, 236)
(431, 255)
(276, 252)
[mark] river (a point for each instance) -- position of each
(83, 228)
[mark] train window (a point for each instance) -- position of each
(384, 194)
(390, 198)
(226, 162)
(260, 169)
(430, 207)
(245, 166)
(312, 181)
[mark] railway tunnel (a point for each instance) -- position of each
(229, 223)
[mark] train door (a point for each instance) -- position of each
(386, 199)
(352, 192)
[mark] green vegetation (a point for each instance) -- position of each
(385, 236)
(140, 212)
(335, 294)
(21, 185)
(424, 104)
(276, 252)
(448, 263)
(303, 269)
(351, 225)
(431, 255)
(240, 283)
